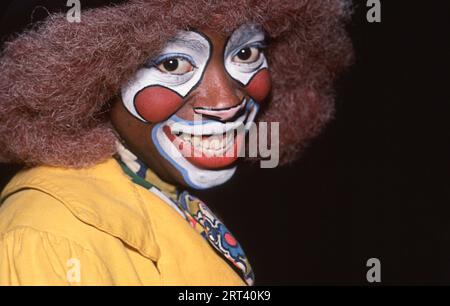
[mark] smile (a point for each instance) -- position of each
(209, 144)
(204, 151)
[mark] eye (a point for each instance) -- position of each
(175, 65)
(247, 55)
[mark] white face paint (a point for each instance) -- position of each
(190, 48)
(196, 177)
(195, 49)
(249, 39)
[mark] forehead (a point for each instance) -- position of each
(244, 34)
(195, 39)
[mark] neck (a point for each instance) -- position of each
(141, 173)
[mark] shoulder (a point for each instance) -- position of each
(29, 256)
(41, 212)
(66, 202)
(92, 206)
(43, 243)
(61, 200)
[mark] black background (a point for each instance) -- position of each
(376, 183)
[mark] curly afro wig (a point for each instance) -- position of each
(58, 79)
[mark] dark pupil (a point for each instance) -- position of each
(244, 54)
(171, 65)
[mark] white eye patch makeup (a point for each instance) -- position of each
(158, 89)
(243, 55)
(204, 157)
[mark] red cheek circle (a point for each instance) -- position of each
(259, 86)
(157, 103)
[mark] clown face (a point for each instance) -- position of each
(186, 112)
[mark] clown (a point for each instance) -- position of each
(117, 117)
(222, 80)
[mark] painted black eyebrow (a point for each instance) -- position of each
(189, 43)
(241, 37)
(192, 44)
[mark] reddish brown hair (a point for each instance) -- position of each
(57, 79)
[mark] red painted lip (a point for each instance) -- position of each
(199, 158)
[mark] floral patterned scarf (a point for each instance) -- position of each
(193, 210)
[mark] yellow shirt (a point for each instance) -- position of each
(94, 226)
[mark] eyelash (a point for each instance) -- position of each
(260, 45)
(162, 58)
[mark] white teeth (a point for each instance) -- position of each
(205, 144)
(197, 141)
(215, 144)
(212, 145)
(186, 137)
(229, 137)
(209, 128)
(212, 138)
